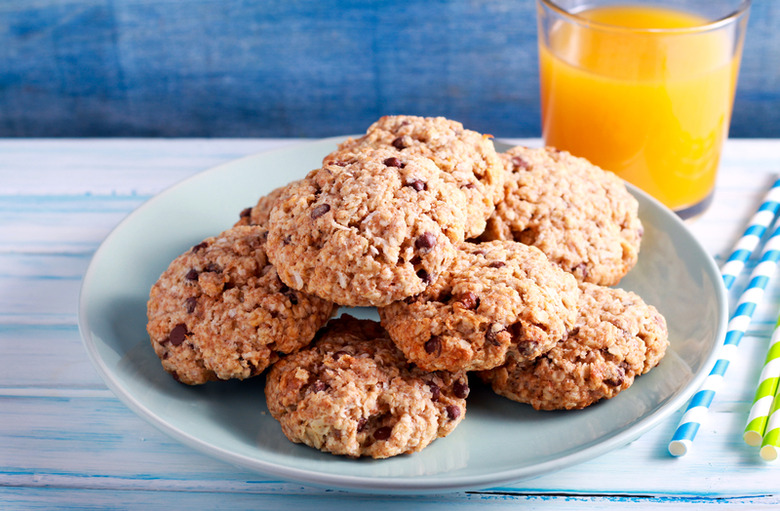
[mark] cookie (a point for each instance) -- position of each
(368, 231)
(617, 337)
(496, 300)
(581, 216)
(352, 393)
(220, 311)
(260, 212)
(468, 159)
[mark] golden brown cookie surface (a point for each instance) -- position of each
(352, 393)
(220, 311)
(366, 231)
(467, 159)
(617, 337)
(495, 300)
(581, 216)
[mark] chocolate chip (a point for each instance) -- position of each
(580, 269)
(453, 412)
(200, 246)
(383, 433)
(435, 391)
(497, 264)
(361, 425)
(245, 212)
(528, 348)
(520, 163)
(618, 379)
(469, 300)
(433, 345)
(423, 275)
(213, 268)
(192, 274)
(393, 162)
(461, 390)
(320, 210)
(293, 299)
(190, 304)
(425, 242)
(253, 368)
(398, 143)
(418, 185)
(178, 334)
(491, 335)
(319, 386)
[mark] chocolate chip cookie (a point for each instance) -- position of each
(220, 311)
(352, 393)
(369, 230)
(581, 216)
(467, 158)
(617, 337)
(495, 300)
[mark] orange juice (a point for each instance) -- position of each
(651, 105)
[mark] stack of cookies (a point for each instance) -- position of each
(498, 265)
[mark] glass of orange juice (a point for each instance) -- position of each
(643, 88)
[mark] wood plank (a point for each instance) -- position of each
(45, 357)
(108, 167)
(46, 498)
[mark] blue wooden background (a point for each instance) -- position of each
(298, 67)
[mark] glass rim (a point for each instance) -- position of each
(573, 17)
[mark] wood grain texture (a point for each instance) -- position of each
(298, 68)
(66, 442)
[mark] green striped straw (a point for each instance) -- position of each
(765, 393)
(771, 443)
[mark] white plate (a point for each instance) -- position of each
(499, 441)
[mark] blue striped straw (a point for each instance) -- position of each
(755, 230)
(746, 306)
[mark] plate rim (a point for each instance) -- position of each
(403, 484)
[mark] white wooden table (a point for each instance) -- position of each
(67, 442)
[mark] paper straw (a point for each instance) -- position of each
(750, 239)
(765, 393)
(771, 443)
(746, 306)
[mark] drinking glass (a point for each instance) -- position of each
(643, 88)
